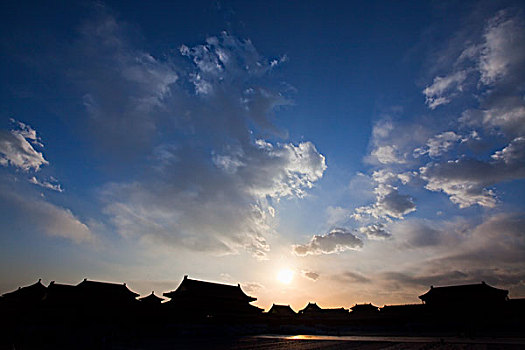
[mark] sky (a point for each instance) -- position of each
(336, 152)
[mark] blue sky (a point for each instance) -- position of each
(372, 149)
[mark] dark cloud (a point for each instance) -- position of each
(377, 231)
(335, 241)
(389, 203)
(314, 276)
(354, 277)
(448, 278)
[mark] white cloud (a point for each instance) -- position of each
(388, 154)
(513, 153)
(293, 170)
(503, 49)
(436, 93)
(439, 144)
(16, 149)
(335, 241)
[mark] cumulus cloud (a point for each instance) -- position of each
(514, 152)
(498, 58)
(389, 204)
(314, 276)
(439, 144)
(507, 115)
(377, 231)
(38, 215)
(466, 181)
(213, 186)
(335, 241)
(16, 148)
(388, 154)
(204, 208)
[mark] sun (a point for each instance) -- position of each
(285, 276)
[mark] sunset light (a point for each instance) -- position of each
(285, 276)
(208, 168)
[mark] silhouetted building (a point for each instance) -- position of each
(364, 308)
(105, 293)
(312, 313)
(364, 311)
(197, 299)
(469, 295)
(281, 311)
(29, 295)
(61, 295)
(151, 299)
(310, 309)
(402, 311)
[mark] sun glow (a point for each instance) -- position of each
(285, 276)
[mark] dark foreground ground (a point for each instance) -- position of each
(298, 342)
(308, 342)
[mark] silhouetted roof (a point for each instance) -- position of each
(151, 299)
(364, 308)
(105, 289)
(33, 292)
(202, 289)
(313, 309)
(310, 308)
(60, 293)
(464, 292)
(282, 310)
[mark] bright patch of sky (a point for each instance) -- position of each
(370, 149)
